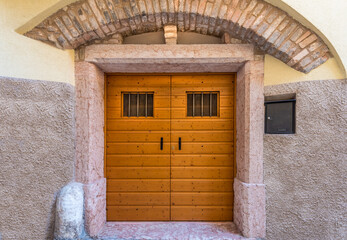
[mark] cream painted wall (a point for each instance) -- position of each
(26, 58)
(277, 72)
(22, 57)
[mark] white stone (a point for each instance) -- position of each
(170, 34)
(69, 221)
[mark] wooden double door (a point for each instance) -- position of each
(170, 147)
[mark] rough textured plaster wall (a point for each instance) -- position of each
(305, 173)
(36, 154)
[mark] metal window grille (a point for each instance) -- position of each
(202, 104)
(138, 104)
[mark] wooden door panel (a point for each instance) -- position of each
(181, 91)
(140, 136)
(201, 79)
(158, 91)
(138, 148)
(201, 160)
(138, 213)
(201, 124)
(147, 183)
(138, 81)
(201, 213)
(126, 160)
(137, 172)
(137, 169)
(202, 185)
(202, 199)
(141, 124)
(203, 136)
(138, 185)
(138, 199)
(202, 170)
(202, 148)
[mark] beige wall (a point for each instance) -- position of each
(276, 72)
(26, 58)
(23, 57)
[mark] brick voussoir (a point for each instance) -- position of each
(257, 22)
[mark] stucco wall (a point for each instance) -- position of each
(36, 154)
(305, 173)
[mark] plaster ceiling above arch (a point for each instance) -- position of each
(254, 21)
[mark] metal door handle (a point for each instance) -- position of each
(179, 143)
(161, 143)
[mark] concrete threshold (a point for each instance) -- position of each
(170, 231)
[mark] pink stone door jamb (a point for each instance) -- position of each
(249, 190)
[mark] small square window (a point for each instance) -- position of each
(280, 116)
(202, 104)
(137, 104)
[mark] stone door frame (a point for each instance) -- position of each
(96, 60)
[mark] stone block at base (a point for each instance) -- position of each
(249, 209)
(95, 206)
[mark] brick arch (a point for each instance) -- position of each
(257, 22)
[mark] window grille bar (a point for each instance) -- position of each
(211, 104)
(202, 104)
(137, 104)
(193, 105)
(129, 105)
(146, 106)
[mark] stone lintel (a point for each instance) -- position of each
(196, 51)
(169, 68)
(169, 58)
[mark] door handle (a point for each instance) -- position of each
(161, 143)
(179, 143)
